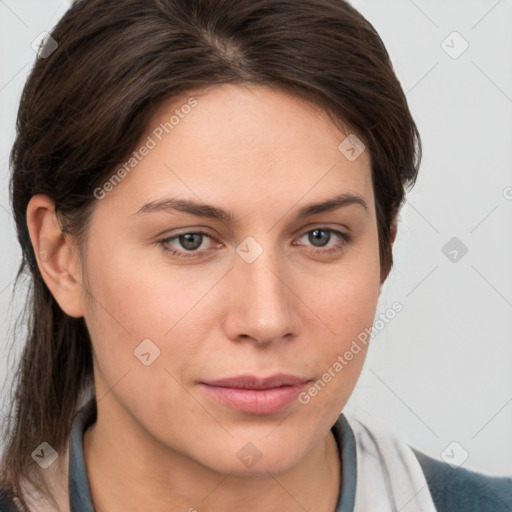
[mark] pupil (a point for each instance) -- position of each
(188, 242)
(315, 236)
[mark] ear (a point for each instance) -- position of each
(55, 255)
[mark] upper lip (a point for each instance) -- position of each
(254, 382)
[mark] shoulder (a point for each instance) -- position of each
(455, 489)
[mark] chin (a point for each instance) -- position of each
(246, 458)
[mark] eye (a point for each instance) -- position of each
(321, 236)
(190, 243)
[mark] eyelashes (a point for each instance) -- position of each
(187, 252)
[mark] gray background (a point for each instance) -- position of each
(439, 374)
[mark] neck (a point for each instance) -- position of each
(133, 471)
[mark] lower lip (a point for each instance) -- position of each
(255, 401)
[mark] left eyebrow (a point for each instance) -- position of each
(339, 201)
(198, 209)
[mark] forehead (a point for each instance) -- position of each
(247, 145)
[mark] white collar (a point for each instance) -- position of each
(389, 476)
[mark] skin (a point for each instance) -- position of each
(260, 154)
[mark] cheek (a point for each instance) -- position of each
(138, 297)
(134, 302)
(345, 296)
(348, 309)
(346, 303)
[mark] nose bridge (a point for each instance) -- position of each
(261, 305)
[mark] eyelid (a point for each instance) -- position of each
(298, 233)
(319, 225)
(345, 238)
(189, 232)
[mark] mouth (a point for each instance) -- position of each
(256, 395)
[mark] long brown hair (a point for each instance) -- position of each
(86, 105)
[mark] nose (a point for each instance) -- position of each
(262, 304)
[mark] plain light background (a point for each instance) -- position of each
(439, 374)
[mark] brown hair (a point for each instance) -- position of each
(85, 107)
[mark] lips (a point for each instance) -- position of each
(256, 395)
(250, 382)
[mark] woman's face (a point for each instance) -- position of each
(278, 288)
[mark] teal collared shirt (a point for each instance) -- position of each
(452, 490)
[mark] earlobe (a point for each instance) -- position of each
(56, 259)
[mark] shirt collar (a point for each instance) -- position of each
(80, 494)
